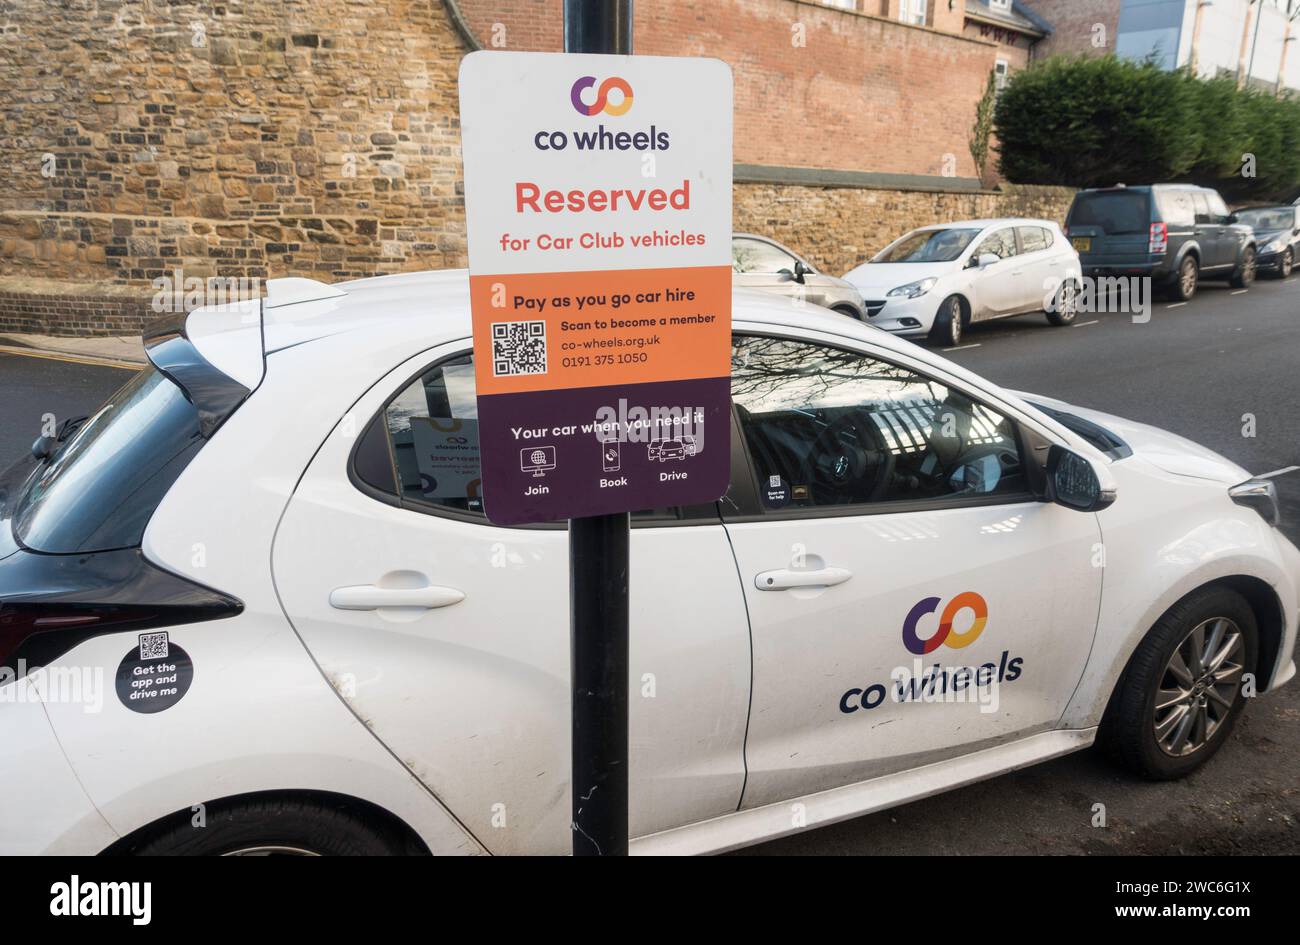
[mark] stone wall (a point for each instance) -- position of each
(837, 228)
(249, 138)
(151, 139)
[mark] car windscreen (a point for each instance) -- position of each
(99, 489)
(1112, 211)
(928, 246)
(1266, 219)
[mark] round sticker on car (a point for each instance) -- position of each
(155, 675)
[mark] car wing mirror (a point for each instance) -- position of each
(1076, 482)
(44, 446)
(800, 270)
(988, 259)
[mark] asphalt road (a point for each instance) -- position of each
(1195, 369)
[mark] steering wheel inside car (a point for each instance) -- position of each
(852, 463)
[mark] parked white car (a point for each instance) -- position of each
(938, 280)
(250, 610)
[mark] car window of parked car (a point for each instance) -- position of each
(1034, 239)
(1268, 218)
(1001, 243)
(1201, 205)
(1114, 212)
(1176, 207)
(927, 246)
(825, 427)
(757, 256)
(1218, 209)
(422, 450)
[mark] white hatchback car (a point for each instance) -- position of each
(937, 280)
(253, 605)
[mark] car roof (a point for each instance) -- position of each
(430, 308)
(985, 223)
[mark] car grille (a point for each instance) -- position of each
(874, 307)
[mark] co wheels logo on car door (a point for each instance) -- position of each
(945, 634)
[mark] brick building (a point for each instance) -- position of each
(166, 139)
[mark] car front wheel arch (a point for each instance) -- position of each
(1269, 618)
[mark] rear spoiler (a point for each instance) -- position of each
(214, 395)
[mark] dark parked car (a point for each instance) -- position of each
(1177, 234)
(1277, 232)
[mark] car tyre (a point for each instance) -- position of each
(1244, 277)
(1163, 688)
(1286, 265)
(275, 827)
(1189, 276)
(1065, 308)
(949, 323)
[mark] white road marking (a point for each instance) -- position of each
(963, 347)
(1175, 305)
(1277, 472)
(1239, 292)
(1095, 321)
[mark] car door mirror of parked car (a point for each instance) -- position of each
(987, 259)
(800, 270)
(1073, 481)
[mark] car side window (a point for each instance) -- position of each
(1001, 244)
(1218, 209)
(422, 450)
(756, 256)
(432, 438)
(1034, 239)
(1201, 207)
(826, 427)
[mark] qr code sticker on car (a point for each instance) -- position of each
(518, 348)
(154, 646)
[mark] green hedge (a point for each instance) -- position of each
(1100, 121)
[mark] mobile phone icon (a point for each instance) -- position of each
(609, 456)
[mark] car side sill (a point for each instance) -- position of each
(732, 831)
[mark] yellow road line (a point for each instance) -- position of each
(71, 358)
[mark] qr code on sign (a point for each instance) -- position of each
(518, 348)
(154, 646)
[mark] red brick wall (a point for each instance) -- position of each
(75, 315)
(863, 93)
(1073, 23)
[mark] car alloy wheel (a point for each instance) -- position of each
(1287, 265)
(952, 311)
(1066, 306)
(1187, 277)
(1199, 687)
(1245, 274)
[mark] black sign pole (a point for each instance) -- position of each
(598, 578)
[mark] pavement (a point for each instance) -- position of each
(117, 351)
(1197, 369)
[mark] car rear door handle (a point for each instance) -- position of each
(369, 597)
(785, 578)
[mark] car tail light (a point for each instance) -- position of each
(1159, 242)
(51, 603)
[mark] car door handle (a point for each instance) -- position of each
(785, 578)
(369, 597)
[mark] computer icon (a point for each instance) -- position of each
(537, 460)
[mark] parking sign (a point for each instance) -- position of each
(598, 206)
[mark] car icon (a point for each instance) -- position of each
(663, 450)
